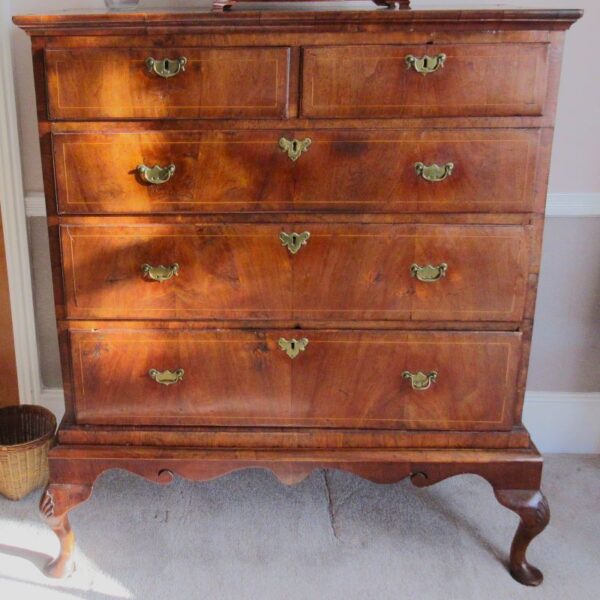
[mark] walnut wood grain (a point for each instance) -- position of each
(244, 272)
(342, 170)
(74, 470)
(203, 21)
(288, 437)
(534, 512)
(342, 379)
(224, 272)
(375, 82)
(81, 465)
(55, 504)
(216, 83)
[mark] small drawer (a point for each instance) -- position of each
(280, 170)
(298, 378)
(173, 83)
(424, 81)
(334, 271)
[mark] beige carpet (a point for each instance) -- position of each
(332, 537)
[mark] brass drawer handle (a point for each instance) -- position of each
(420, 381)
(429, 273)
(167, 67)
(156, 175)
(294, 241)
(426, 64)
(293, 347)
(166, 377)
(161, 272)
(294, 148)
(434, 172)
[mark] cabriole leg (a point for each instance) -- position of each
(56, 502)
(532, 508)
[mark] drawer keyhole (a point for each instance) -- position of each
(293, 347)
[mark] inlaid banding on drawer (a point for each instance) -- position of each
(118, 83)
(342, 379)
(464, 80)
(339, 170)
(343, 271)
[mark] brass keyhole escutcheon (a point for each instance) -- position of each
(420, 381)
(294, 241)
(167, 67)
(293, 347)
(426, 64)
(294, 148)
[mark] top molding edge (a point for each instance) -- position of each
(107, 23)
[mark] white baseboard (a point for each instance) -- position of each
(35, 204)
(53, 399)
(559, 205)
(563, 421)
(558, 421)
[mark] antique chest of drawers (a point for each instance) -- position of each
(297, 240)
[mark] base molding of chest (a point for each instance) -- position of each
(281, 438)
(517, 469)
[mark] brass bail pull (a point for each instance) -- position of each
(166, 377)
(420, 381)
(434, 173)
(429, 273)
(156, 175)
(160, 273)
(167, 67)
(425, 64)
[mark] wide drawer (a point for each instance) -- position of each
(331, 271)
(121, 83)
(391, 379)
(339, 170)
(427, 80)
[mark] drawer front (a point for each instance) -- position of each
(462, 80)
(227, 377)
(229, 171)
(415, 272)
(341, 379)
(213, 83)
(223, 272)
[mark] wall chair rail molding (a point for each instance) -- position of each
(573, 205)
(12, 204)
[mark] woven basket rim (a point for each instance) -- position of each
(40, 441)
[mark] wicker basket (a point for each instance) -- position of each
(26, 434)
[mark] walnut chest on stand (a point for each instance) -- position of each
(297, 240)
